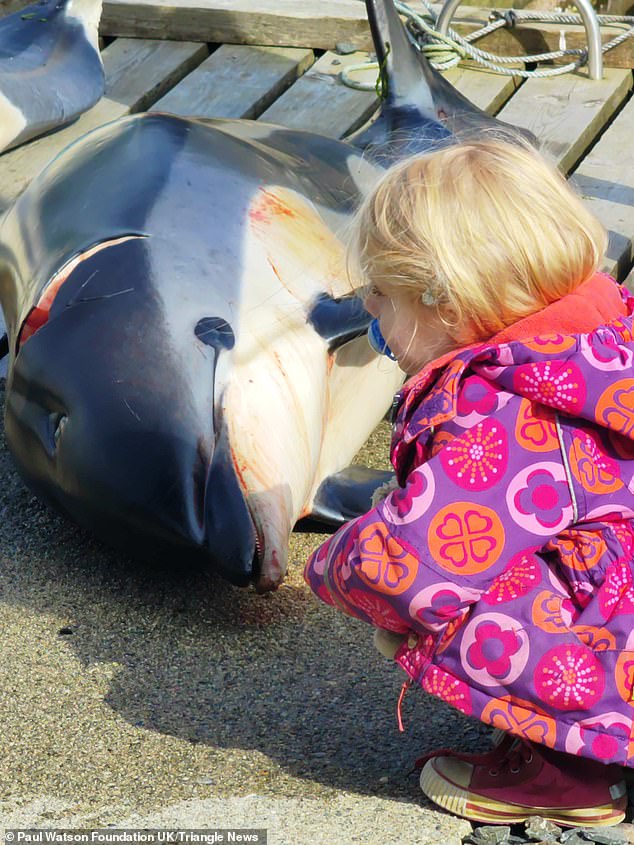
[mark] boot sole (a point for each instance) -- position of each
(470, 805)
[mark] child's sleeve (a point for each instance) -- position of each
(488, 501)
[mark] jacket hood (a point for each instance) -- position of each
(546, 358)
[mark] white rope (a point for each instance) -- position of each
(446, 51)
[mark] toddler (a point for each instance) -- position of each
(499, 570)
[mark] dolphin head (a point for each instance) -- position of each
(113, 411)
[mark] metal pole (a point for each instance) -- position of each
(590, 22)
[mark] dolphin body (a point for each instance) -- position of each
(50, 67)
(188, 371)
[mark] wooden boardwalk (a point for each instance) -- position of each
(586, 127)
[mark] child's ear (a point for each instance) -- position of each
(460, 330)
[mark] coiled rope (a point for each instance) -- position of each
(446, 51)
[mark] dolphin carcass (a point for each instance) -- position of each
(188, 371)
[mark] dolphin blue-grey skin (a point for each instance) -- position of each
(188, 368)
(50, 67)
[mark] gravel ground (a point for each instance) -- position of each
(130, 696)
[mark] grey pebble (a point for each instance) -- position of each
(603, 836)
(344, 48)
(490, 834)
(541, 829)
(568, 834)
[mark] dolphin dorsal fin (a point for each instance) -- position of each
(421, 109)
(399, 62)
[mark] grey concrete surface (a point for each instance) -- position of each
(133, 695)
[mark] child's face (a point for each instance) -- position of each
(413, 331)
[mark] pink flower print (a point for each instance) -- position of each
(554, 383)
(477, 459)
(404, 498)
(543, 497)
(538, 499)
(604, 737)
(569, 677)
(605, 748)
(409, 503)
(477, 397)
(603, 353)
(437, 605)
(493, 648)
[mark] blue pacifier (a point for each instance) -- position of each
(378, 342)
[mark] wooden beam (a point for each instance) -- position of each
(288, 23)
(320, 102)
(139, 72)
(485, 89)
(340, 110)
(567, 113)
(237, 81)
(320, 24)
(605, 179)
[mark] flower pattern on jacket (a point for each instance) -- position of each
(508, 549)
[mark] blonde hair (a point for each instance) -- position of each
(486, 232)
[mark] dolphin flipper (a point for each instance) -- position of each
(344, 496)
(50, 67)
(339, 320)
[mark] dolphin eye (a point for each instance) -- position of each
(215, 332)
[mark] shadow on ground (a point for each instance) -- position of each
(210, 664)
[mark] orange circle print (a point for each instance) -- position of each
(535, 428)
(521, 718)
(466, 539)
(384, 564)
(624, 674)
(549, 343)
(592, 468)
(615, 406)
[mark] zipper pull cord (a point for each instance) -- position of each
(406, 685)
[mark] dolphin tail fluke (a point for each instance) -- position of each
(420, 108)
(88, 12)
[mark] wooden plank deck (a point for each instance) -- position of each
(584, 126)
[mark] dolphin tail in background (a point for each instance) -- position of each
(50, 67)
(421, 109)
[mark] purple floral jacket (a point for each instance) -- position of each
(505, 558)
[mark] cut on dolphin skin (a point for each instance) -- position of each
(39, 314)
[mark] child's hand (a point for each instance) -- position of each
(384, 490)
(387, 642)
